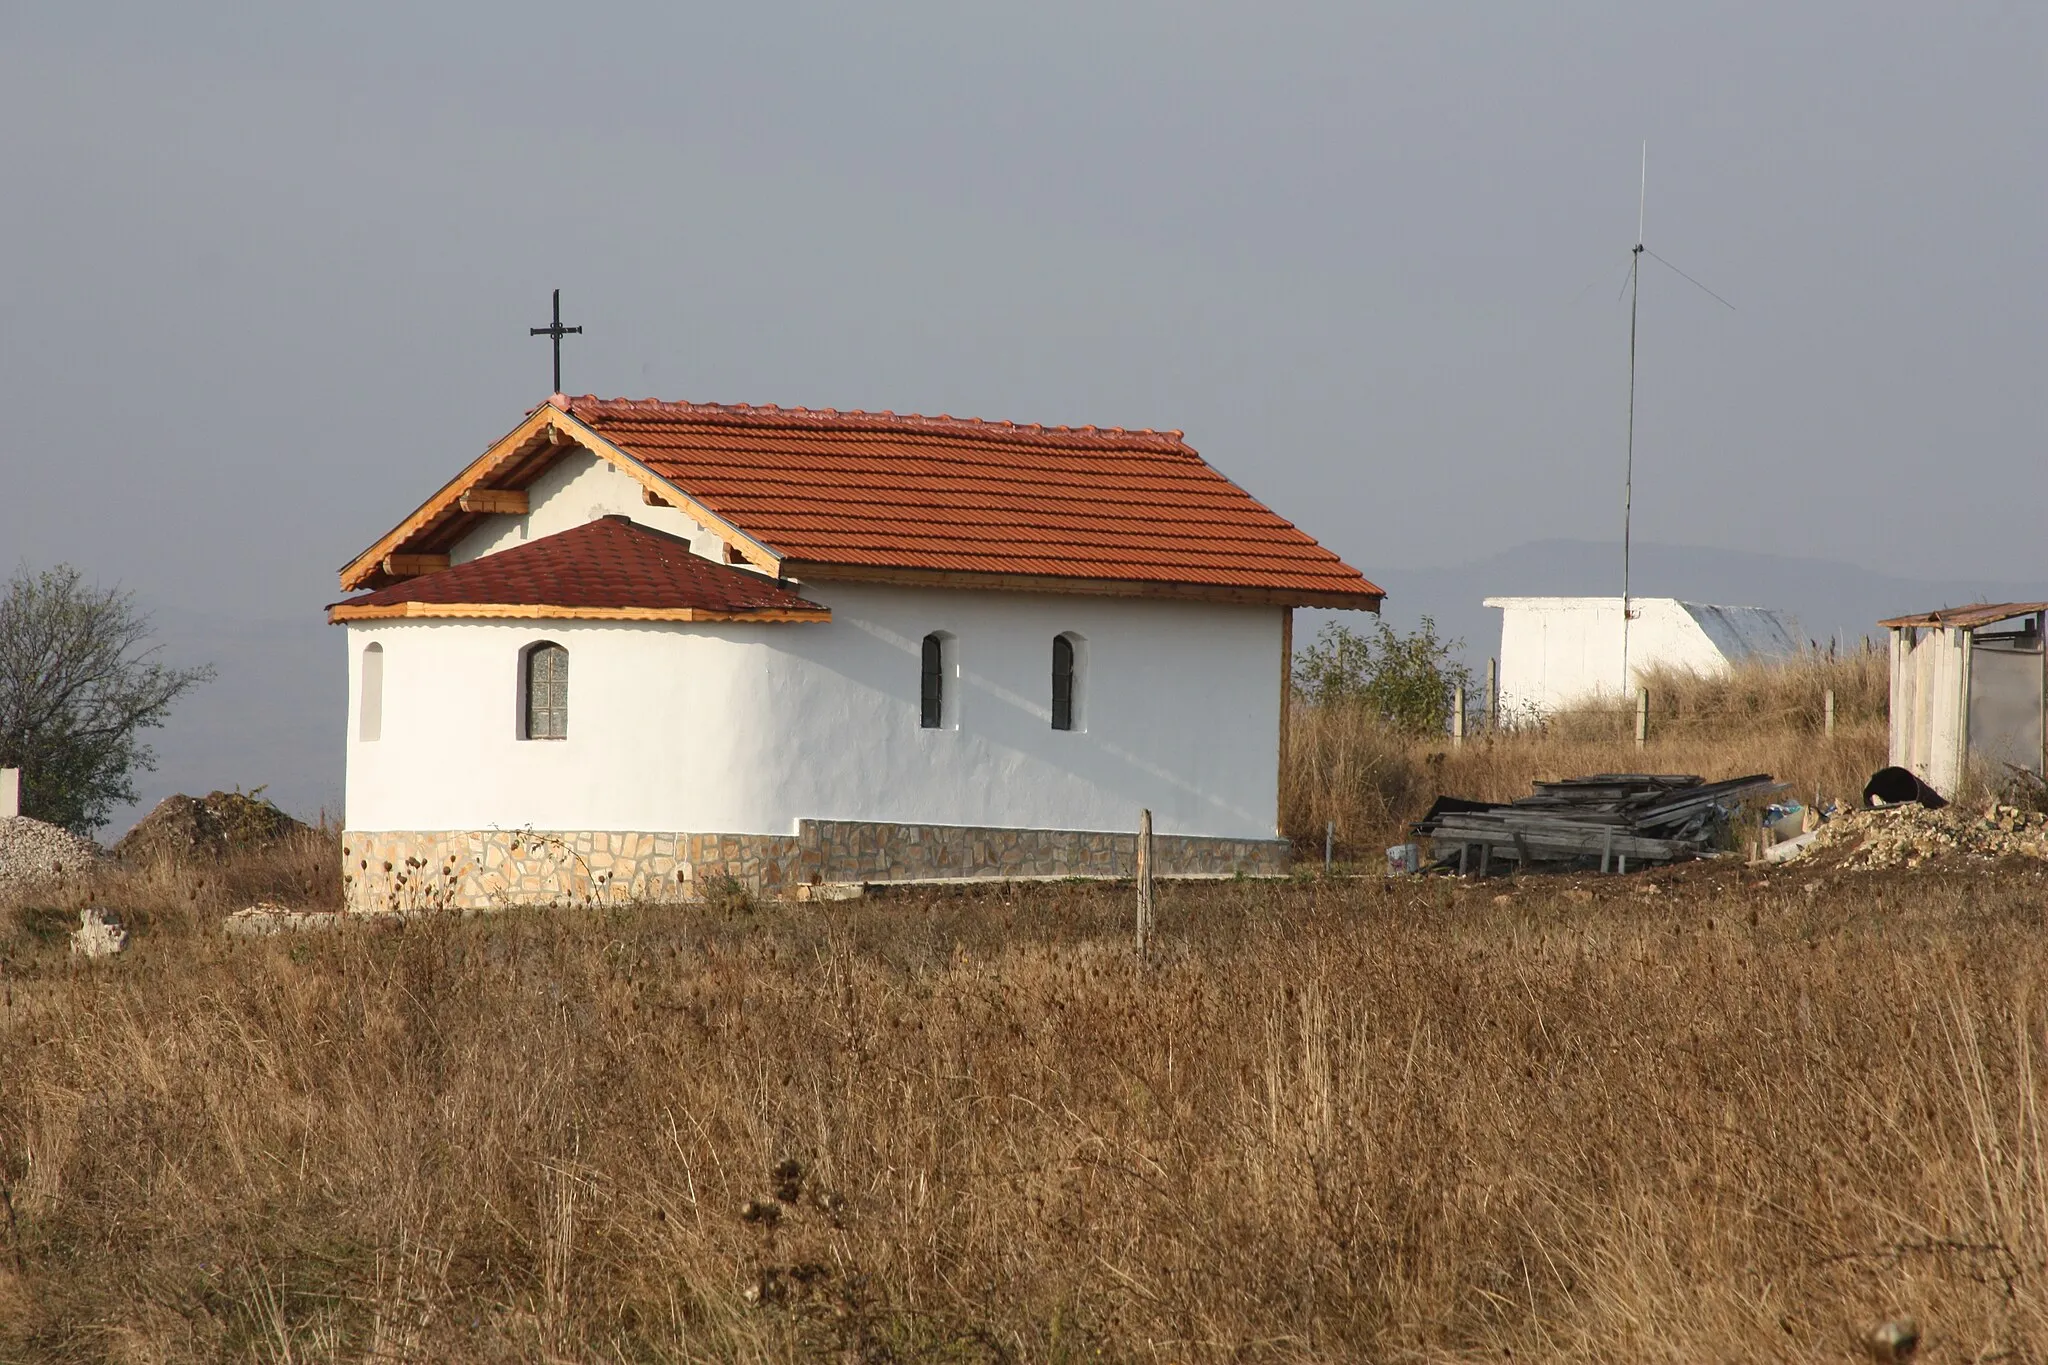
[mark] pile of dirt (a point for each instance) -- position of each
(187, 828)
(1906, 836)
(34, 853)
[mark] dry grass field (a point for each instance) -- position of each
(1707, 1113)
(1700, 1114)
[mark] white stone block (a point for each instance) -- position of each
(98, 934)
(10, 793)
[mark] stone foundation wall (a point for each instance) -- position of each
(866, 851)
(476, 869)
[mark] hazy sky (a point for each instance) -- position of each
(268, 272)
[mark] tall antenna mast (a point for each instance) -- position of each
(1628, 478)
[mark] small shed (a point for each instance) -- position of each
(1968, 688)
(1557, 652)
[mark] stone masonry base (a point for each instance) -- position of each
(479, 869)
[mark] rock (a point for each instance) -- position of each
(1791, 848)
(268, 917)
(209, 828)
(99, 934)
(34, 853)
(1892, 1341)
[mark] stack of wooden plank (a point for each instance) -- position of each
(1613, 819)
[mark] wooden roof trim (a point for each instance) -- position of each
(343, 611)
(558, 427)
(818, 571)
(367, 564)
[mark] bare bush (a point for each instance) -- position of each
(80, 681)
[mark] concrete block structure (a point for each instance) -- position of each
(1559, 652)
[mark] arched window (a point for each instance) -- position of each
(931, 685)
(544, 685)
(370, 696)
(1066, 681)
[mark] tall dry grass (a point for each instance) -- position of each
(1675, 1118)
(1347, 768)
(1774, 695)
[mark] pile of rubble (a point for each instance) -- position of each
(34, 853)
(1908, 835)
(205, 828)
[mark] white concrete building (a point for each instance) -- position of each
(1557, 652)
(636, 648)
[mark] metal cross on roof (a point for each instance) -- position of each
(557, 331)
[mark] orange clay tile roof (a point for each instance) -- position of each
(886, 491)
(609, 564)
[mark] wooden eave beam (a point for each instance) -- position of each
(413, 566)
(446, 611)
(512, 502)
(817, 571)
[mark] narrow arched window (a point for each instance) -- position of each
(1065, 681)
(931, 686)
(545, 683)
(370, 695)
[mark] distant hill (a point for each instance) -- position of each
(1830, 600)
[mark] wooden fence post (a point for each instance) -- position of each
(1492, 696)
(1329, 845)
(1642, 716)
(1827, 714)
(1458, 717)
(1144, 882)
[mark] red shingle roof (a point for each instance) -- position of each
(953, 495)
(610, 567)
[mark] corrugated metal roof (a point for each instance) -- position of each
(1744, 632)
(1975, 614)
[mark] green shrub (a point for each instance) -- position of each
(1406, 680)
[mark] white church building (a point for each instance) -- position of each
(640, 649)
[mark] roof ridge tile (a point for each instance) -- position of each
(590, 407)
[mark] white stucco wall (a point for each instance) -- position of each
(746, 729)
(577, 488)
(1561, 651)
